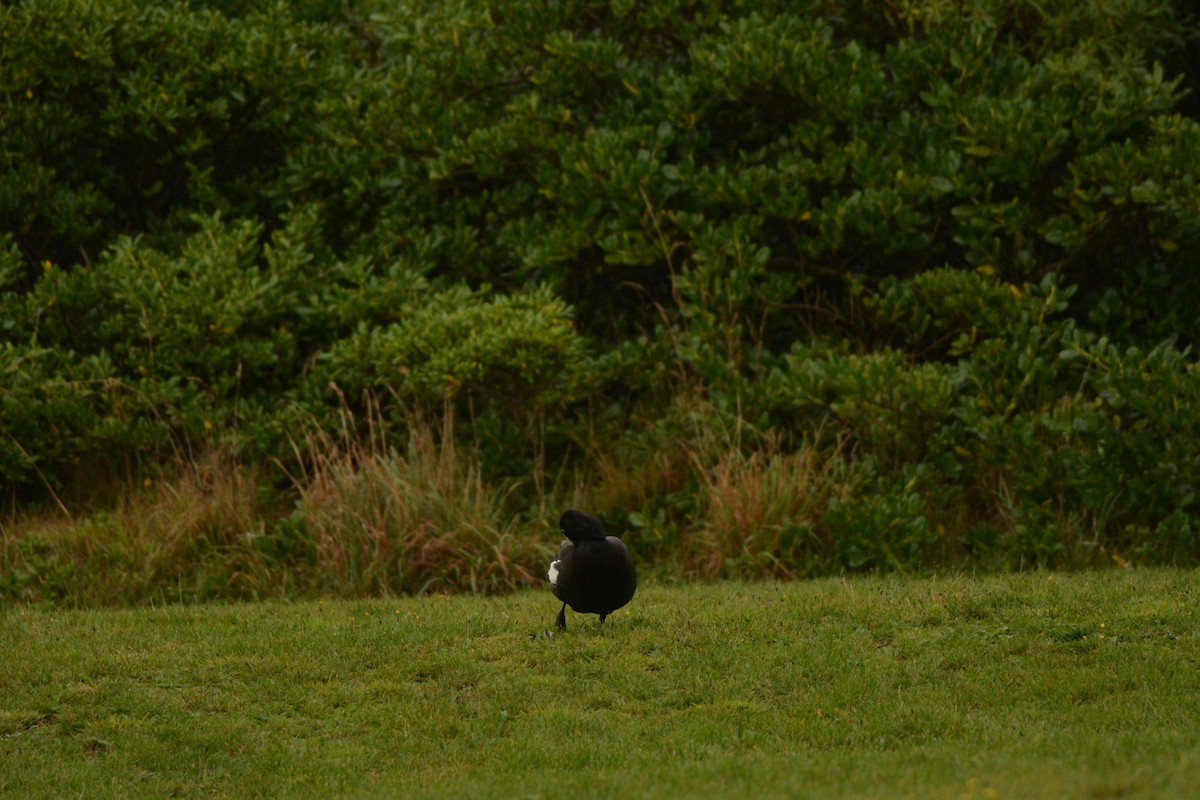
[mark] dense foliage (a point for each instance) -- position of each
(777, 288)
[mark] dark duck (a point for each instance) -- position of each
(593, 572)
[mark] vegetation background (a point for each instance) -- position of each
(327, 298)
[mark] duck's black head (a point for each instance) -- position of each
(579, 526)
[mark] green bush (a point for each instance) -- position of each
(516, 351)
(126, 117)
(946, 247)
(1023, 424)
(884, 528)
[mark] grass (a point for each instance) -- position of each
(361, 519)
(1035, 685)
(365, 512)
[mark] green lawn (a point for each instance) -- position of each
(1011, 686)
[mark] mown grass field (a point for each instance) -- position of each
(1036, 685)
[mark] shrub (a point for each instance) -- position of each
(785, 288)
(883, 528)
(512, 351)
(126, 117)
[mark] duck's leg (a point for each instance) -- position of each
(602, 616)
(561, 621)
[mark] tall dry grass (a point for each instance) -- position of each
(376, 509)
(187, 533)
(362, 516)
(716, 497)
(759, 512)
(384, 521)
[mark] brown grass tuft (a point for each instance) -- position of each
(759, 513)
(180, 536)
(384, 522)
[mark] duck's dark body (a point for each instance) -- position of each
(593, 573)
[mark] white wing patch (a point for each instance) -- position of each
(554, 573)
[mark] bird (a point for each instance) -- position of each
(593, 572)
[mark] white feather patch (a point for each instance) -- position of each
(553, 573)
